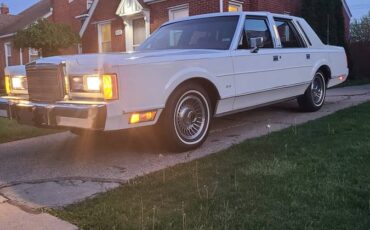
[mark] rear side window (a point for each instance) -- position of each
(255, 28)
(288, 34)
(304, 32)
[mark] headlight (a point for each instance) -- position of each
(19, 83)
(106, 85)
(16, 84)
(93, 83)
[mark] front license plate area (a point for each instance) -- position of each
(32, 116)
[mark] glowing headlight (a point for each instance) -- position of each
(19, 83)
(105, 84)
(93, 83)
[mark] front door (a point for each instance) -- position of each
(139, 32)
(255, 73)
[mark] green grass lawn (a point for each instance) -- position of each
(314, 176)
(11, 131)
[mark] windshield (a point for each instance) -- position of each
(205, 33)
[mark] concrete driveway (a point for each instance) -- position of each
(61, 169)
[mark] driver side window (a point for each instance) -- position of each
(256, 27)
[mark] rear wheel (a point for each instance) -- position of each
(315, 96)
(186, 120)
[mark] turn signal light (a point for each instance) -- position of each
(7, 85)
(142, 117)
(110, 88)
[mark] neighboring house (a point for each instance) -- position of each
(120, 25)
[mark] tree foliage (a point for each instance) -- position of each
(47, 37)
(326, 18)
(360, 29)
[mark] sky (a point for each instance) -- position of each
(359, 8)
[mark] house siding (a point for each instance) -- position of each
(105, 11)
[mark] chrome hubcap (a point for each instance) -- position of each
(318, 90)
(191, 118)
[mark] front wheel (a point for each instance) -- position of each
(187, 118)
(315, 95)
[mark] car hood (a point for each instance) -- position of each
(116, 59)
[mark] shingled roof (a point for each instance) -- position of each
(6, 20)
(14, 23)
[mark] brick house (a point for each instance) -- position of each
(120, 25)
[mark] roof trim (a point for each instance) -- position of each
(346, 8)
(87, 21)
(120, 9)
(7, 35)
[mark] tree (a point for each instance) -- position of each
(46, 37)
(326, 18)
(360, 29)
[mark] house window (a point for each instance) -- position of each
(178, 12)
(89, 3)
(235, 7)
(105, 37)
(8, 53)
(33, 54)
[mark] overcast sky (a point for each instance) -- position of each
(358, 7)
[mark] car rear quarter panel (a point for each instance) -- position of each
(338, 61)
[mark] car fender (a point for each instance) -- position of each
(185, 75)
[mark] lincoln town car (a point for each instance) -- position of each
(185, 74)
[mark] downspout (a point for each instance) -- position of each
(221, 6)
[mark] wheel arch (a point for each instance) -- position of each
(325, 69)
(207, 84)
(202, 80)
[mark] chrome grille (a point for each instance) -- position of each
(45, 82)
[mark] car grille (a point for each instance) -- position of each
(45, 82)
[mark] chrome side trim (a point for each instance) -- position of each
(271, 89)
(264, 71)
(254, 107)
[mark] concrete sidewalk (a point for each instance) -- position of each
(14, 218)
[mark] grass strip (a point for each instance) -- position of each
(12, 131)
(313, 176)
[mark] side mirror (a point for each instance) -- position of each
(256, 43)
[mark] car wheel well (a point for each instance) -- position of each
(208, 86)
(326, 71)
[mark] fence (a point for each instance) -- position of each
(360, 55)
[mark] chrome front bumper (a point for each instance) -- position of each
(54, 115)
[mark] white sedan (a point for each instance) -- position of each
(182, 76)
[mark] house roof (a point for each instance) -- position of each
(347, 9)
(6, 20)
(26, 17)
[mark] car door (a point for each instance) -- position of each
(255, 72)
(295, 57)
